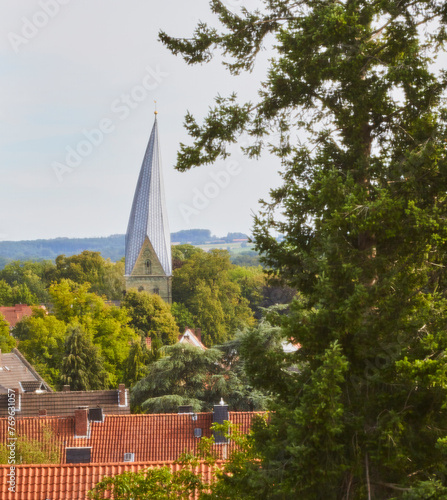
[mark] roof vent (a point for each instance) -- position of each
(198, 432)
(129, 457)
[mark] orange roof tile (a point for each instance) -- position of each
(73, 481)
(15, 313)
(151, 437)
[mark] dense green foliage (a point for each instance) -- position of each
(43, 336)
(151, 484)
(151, 316)
(105, 277)
(204, 286)
(7, 341)
(106, 325)
(247, 258)
(42, 339)
(187, 375)
(136, 362)
(17, 294)
(82, 365)
(75, 289)
(29, 282)
(364, 216)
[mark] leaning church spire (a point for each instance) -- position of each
(148, 263)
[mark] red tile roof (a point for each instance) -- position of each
(72, 482)
(192, 337)
(151, 437)
(15, 313)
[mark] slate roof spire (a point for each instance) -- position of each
(148, 217)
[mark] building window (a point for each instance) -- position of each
(148, 266)
(96, 415)
(157, 291)
(129, 457)
(78, 455)
(140, 288)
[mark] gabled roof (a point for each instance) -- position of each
(149, 437)
(16, 371)
(72, 482)
(15, 313)
(61, 404)
(190, 337)
(148, 217)
(32, 386)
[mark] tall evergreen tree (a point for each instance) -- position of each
(188, 375)
(82, 365)
(364, 214)
(136, 361)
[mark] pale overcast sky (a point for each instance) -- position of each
(71, 66)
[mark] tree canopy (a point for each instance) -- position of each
(43, 336)
(204, 286)
(188, 375)
(353, 106)
(151, 316)
(7, 342)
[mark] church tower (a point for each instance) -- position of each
(148, 263)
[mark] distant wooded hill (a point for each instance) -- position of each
(111, 247)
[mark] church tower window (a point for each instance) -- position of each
(148, 267)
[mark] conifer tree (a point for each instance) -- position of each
(364, 218)
(82, 365)
(136, 361)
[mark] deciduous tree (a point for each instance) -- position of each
(150, 315)
(42, 339)
(203, 285)
(7, 342)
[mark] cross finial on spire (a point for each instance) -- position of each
(155, 112)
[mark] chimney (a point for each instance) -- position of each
(81, 421)
(66, 388)
(220, 414)
(122, 395)
(198, 334)
(42, 413)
